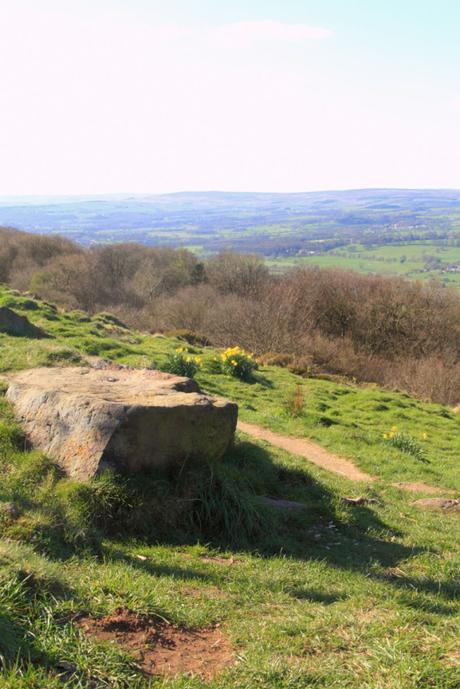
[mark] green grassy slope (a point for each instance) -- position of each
(336, 596)
(408, 259)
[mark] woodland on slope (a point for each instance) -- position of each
(396, 332)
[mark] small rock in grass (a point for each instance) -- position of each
(9, 510)
(444, 504)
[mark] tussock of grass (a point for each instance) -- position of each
(58, 515)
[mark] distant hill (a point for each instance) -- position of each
(272, 224)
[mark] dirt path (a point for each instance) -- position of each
(308, 449)
(420, 487)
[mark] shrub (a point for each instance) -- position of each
(238, 363)
(189, 336)
(294, 403)
(301, 367)
(275, 359)
(181, 363)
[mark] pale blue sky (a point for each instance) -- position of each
(102, 96)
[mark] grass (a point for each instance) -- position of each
(337, 596)
(407, 259)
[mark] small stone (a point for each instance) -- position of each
(360, 501)
(68, 667)
(9, 510)
(446, 504)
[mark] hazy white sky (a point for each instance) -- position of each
(276, 95)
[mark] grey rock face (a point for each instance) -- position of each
(89, 419)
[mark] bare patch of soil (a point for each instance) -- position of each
(309, 450)
(453, 658)
(367, 616)
(215, 559)
(161, 648)
(444, 504)
(420, 487)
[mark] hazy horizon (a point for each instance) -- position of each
(77, 195)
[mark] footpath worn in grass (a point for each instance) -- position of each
(337, 596)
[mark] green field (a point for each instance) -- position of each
(336, 596)
(409, 260)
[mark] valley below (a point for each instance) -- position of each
(390, 231)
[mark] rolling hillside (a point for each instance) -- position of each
(355, 590)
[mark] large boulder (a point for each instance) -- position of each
(87, 419)
(14, 324)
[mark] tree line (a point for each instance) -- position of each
(393, 331)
